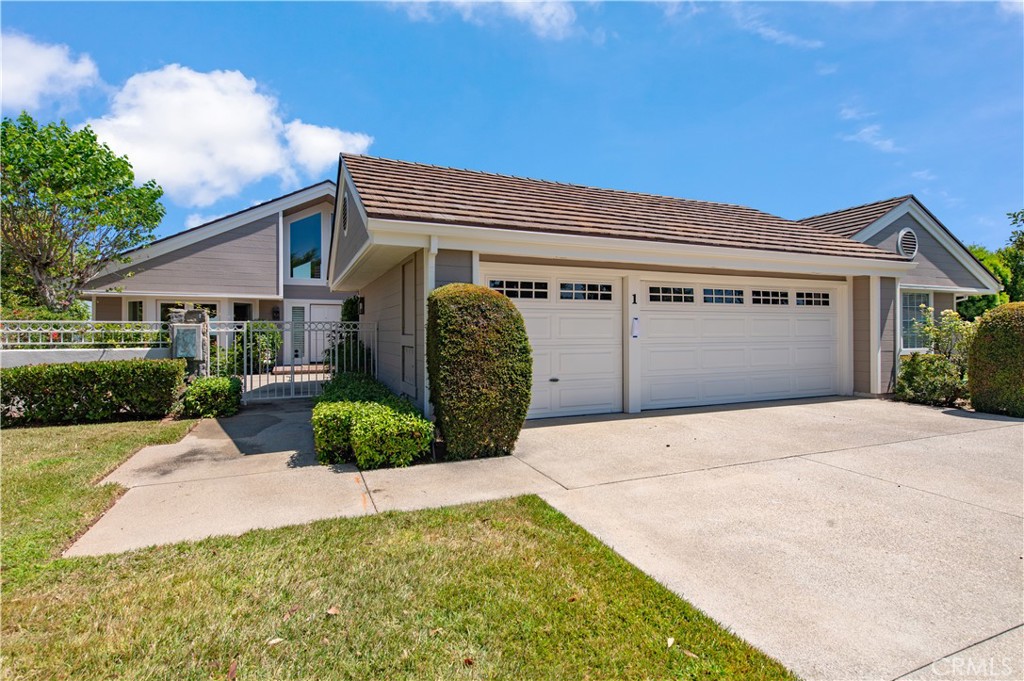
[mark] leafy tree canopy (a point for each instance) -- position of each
(70, 207)
(1006, 265)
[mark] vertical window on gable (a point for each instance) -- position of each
(911, 311)
(304, 247)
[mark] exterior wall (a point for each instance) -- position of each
(383, 303)
(943, 301)
(861, 334)
(241, 261)
(935, 265)
(107, 309)
(558, 262)
(318, 292)
(451, 267)
(353, 237)
(266, 309)
(20, 358)
(888, 332)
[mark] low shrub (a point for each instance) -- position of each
(87, 392)
(481, 369)
(930, 379)
(212, 397)
(996, 361)
(358, 419)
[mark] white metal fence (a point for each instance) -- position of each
(31, 335)
(274, 360)
(281, 360)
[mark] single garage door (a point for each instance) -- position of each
(575, 327)
(714, 343)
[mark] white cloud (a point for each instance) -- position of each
(871, 135)
(751, 20)
(1011, 6)
(826, 69)
(205, 136)
(315, 148)
(34, 72)
(681, 10)
(196, 219)
(554, 19)
(850, 112)
(923, 175)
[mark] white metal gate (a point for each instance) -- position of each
(282, 360)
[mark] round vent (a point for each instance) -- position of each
(907, 243)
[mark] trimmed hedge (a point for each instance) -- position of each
(929, 379)
(358, 419)
(995, 367)
(87, 392)
(212, 397)
(481, 369)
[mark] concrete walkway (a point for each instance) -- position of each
(848, 538)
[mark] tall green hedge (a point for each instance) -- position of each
(995, 368)
(85, 392)
(481, 369)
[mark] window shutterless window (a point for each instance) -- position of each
(304, 247)
(769, 297)
(135, 310)
(723, 296)
(536, 290)
(911, 310)
(584, 291)
(812, 298)
(670, 294)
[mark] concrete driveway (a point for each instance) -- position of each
(848, 538)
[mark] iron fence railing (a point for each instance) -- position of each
(35, 335)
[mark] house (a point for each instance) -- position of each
(634, 301)
(264, 262)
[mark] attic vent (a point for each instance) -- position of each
(907, 243)
(344, 214)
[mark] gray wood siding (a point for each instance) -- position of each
(861, 334)
(383, 301)
(108, 309)
(241, 261)
(887, 332)
(943, 301)
(453, 267)
(352, 238)
(935, 265)
(318, 292)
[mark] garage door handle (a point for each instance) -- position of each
(553, 380)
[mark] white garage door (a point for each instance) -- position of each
(712, 344)
(575, 327)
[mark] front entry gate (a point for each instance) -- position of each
(282, 360)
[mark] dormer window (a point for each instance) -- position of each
(305, 247)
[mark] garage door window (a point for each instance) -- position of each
(723, 296)
(533, 290)
(670, 294)
(585, 291)
(769, 297)
(812, 298)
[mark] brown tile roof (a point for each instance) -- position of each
(402, 190)
(849, 221)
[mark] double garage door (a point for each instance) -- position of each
(696, 342)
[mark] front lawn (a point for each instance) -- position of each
(508, 589)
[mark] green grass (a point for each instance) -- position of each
(508, 589)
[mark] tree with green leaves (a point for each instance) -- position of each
(975, 306)
(1013, 256)
(69, 208)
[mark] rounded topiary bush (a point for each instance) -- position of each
(995, 367)
(481, 369)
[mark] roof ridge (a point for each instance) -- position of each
(863, 205)
(571, 184)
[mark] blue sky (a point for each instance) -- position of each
(792, 108)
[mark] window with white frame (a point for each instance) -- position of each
(135, 310)
(304, 247)
(514, 288)
(762, 297)
(670, 294)
(812, 298)
(723, 296)
(584, 291)
(913, 308)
